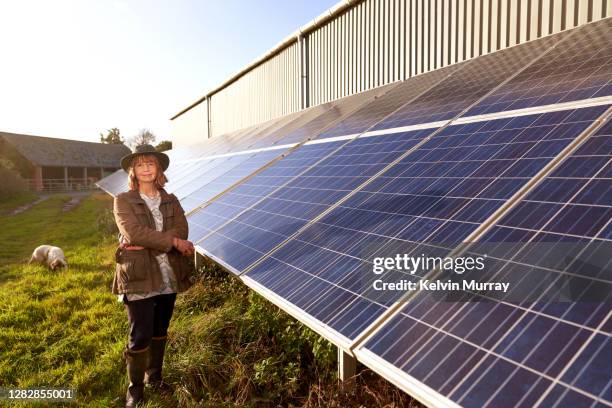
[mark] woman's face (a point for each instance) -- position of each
(145, 170)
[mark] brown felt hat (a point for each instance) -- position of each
(126, 160)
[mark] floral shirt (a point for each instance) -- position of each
(169, 284)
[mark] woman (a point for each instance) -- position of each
(152, 265)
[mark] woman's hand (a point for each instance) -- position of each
(184, 246)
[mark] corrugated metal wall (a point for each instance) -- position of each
(268, 91)
(191, 127)
(381, 41)
(377, 42)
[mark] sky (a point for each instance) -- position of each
(74, 69)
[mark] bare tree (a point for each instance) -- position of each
(145, 136)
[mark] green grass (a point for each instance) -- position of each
(60, 329)
(227, 346)
(16, 201)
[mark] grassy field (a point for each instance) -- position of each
(227, 346)
(16, 201)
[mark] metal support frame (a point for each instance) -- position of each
(347, 368)
(199, 260)
(303, 74)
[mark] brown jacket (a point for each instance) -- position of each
(138, 270)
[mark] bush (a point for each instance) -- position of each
(106, 222)
(12, 182)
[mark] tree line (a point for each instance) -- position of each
(144, 136)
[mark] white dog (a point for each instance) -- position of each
(51, 255)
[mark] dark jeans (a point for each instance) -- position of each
(149, 318)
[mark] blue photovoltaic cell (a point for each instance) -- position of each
(208, 218)
(468, 84)
(395, 97)
(579, 68)
(426, 203)
(202, 172)
(224, 176)
(246, 238)
(485, 352)
(180, 175)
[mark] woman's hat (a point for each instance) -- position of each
(126, 160)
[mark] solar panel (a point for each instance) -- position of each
(277, 137)
(267, 135)
(580, 68)
(222, 177)
(521, 349)
(207, 155)
(209, 217)
(114, 183)
(439, 193)
(250, 235)
(226, 144)
(449, 97)
(219, 145)
(362, 119)
(340, 109)
(205, 189)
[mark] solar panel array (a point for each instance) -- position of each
(479, 350)
(577, 69)
(473, 80)
(436, 194)
(508, 155)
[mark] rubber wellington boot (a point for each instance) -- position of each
(153, 374)
(136, 366)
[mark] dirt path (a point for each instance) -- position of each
(69, 205)
(27, 206)
(72, 203)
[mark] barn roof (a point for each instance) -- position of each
(50, 151)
